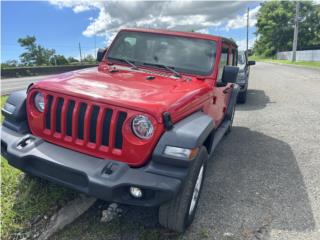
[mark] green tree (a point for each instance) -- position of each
(35, 54)
(275, 26)
(72, 60)
(58, 60)
(89, 58)
(9, 63)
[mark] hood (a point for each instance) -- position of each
(129, 88)
(241, 67)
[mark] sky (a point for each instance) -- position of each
(62, 25)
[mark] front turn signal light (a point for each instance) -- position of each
(181, 152)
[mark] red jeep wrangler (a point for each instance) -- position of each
(138, 129)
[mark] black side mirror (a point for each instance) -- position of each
(100, 54)
(250, 63)
(230, 74)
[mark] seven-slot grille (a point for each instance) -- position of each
(84, 123)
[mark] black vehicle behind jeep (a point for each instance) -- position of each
(243, 75)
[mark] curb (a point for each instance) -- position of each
(67, 215)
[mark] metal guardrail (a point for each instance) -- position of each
(43, 70)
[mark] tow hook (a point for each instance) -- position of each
(24, 142)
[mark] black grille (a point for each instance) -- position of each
(93, 124)
(58, 114)
(82, 112)
(71, 105)
(59, 109)
(106, 127)
(48, 115)
(122, 117)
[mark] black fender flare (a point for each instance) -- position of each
(190, 133)
(15, 112)
(232, 101)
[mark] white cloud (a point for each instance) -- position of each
(242, 44)
(241, 21)
(81, 8)
(178, 15)
(204, 30)
(77, 5)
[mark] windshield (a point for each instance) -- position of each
(241, 58)
(188, 55)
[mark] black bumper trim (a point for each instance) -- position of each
(105, 179)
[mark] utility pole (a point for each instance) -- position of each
(95, 39)
(80, 53)
(247, 31)
(295, 34)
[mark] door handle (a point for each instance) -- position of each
(226, 90)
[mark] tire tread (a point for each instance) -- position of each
(173, 214)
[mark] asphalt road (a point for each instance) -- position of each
(13, 84)
(265, 177)
(264, 180)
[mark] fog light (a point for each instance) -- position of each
(136, 192)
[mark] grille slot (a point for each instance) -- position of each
(82, 112)
(118, 137)
(48, 114)
(106, 127)
(93, 124)
(71, 105)
(58, 114)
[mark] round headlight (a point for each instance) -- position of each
(39, 101)
(142, 127)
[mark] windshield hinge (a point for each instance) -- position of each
(167, 121)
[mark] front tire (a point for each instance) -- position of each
(179, 213)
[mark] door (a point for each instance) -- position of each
(222, 93)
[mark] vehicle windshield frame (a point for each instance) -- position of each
(140, 64)
(242, 55)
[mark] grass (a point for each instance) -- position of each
(297, 63)
(2, 102)
(135, 223)
(25, 198)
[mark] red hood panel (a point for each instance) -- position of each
(128, 88)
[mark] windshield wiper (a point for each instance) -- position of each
(169, 68)
(131, 63)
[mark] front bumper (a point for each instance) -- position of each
(105, 179)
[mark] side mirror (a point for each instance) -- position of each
(230, 74)
(100, 54)
(250, 63)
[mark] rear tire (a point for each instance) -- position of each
(242, 97)
(179, 213)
